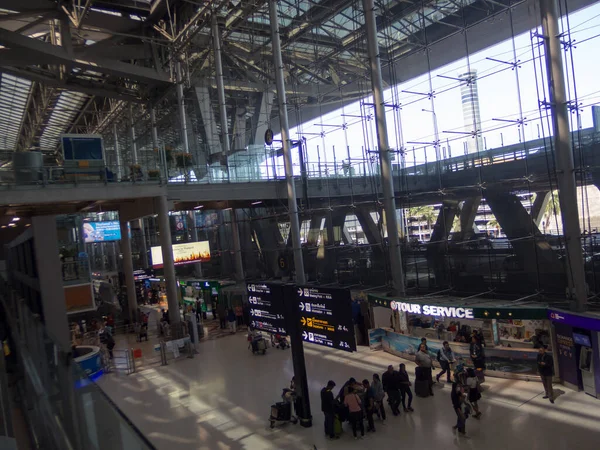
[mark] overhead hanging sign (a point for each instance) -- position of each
(326, 317)
(266, 307)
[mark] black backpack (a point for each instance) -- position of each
(439, 355)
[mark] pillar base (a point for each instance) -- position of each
(306, 423)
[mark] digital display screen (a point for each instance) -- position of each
(582, 339)
(101, 231)
(82, 147)
(326, 317)
(266, 307)
(188, 253)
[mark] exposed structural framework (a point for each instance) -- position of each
(75, 66)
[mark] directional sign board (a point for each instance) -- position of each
(326, 317)
(266, 307)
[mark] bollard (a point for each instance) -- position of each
(190, 349)
(132, 360)
(163, 353)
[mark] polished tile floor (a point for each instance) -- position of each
(220, 400)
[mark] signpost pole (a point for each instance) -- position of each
(292, 323)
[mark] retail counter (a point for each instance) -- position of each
(501, 362)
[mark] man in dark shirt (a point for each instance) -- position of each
(328, 408)
(545, 365)
(390, 386)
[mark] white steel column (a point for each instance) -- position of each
(565, 171)
(117, 153)
(220, 85)
(387, 181)
(181, 107)
(128, 270)
(166, 245)
(134, 154)
(285, 137)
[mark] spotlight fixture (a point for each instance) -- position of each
(16, 219)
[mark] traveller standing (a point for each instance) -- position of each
(458, 403)
(231, 320)
(405, 390)
(474, 386)
(239, 315)
(545, 365)
(477, 353)
(354, 405)
(446, 358)
(222, 313)
(424, 342)
(378, 396)
(425, 363)
(328, 408)
(369, 401)
(390, 386)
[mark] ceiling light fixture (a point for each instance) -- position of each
(16, 219)
(199, 207)
(256, 203)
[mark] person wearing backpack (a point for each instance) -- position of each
(446, 358)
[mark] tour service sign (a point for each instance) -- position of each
(326, 317)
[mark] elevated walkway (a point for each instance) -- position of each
(525, 166)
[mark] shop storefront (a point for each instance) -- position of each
(578, 349)
(512, 334)
(208, 291)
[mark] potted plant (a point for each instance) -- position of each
(183, 159)
(168, 154)
(135, 172)
(153, 174)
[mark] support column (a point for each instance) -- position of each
(468, 212)
(181, 108)
(134, 154)
(387, 182)
(539, 263)
(128, 271)
(287, 155)
(314, 230)
(164, 227)
(567, 192)
(143, 247)
(216, 34)
(118, 153)
(538, 209)
(438, 244)
(52, 293)
(237, 247)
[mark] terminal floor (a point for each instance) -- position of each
(220, 400)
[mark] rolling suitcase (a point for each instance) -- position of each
(422, 388)
(337, 426)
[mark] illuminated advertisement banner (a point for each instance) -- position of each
(188, 253)
(101, 231)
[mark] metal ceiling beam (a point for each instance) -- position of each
(92, 89)
(36, 49)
